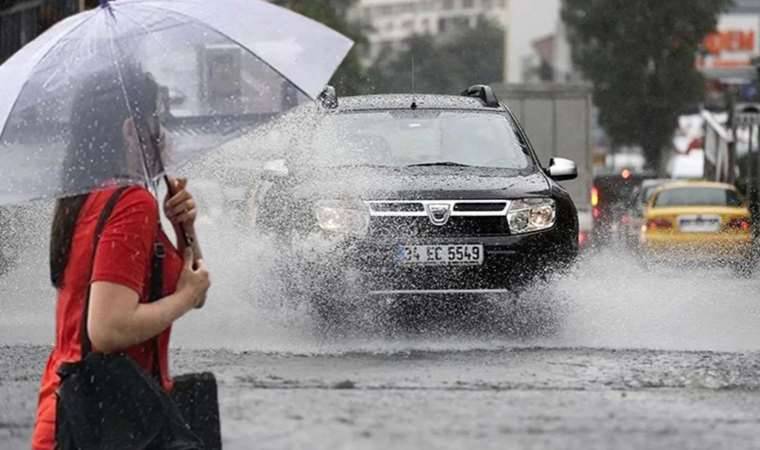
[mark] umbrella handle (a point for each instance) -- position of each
(187, 236)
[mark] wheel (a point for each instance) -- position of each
(6, 264)
(533, 313)
(743, 268)
(335, 314)
(9, 241)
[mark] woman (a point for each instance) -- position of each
(120, 318)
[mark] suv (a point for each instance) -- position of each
(399, 196)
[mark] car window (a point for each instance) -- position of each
(645, 194)
(402, 138)
(698, 196)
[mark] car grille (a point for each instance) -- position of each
(393, 219)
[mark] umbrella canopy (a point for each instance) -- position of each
(123, 93)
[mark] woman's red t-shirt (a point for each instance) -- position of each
(123, 257)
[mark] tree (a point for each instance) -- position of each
(442, 66)
(640, 57)
(351, 77)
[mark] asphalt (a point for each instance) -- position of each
(519, 397)
(636, 359)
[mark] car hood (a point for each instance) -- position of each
(420, 183)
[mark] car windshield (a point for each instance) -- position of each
(418, 138)
(698, 196)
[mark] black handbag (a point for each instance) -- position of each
(196, 396)
(109, 402)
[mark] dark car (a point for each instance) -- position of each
(399, 196)
(633, 218)
(611, 200)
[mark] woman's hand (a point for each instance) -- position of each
(180, 208)
(194, 281)
(117, 320)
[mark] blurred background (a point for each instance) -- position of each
(629, 90)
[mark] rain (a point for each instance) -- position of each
(352, 222)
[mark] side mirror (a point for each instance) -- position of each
(562, 169)
(275, 168)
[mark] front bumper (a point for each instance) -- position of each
(371, 267)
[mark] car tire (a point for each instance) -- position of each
(324, 311)
(535, 313)
(6, 263)
(332, 307)
(743, 269)
(9, 244)
(339, 314)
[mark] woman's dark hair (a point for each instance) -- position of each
(97, 148)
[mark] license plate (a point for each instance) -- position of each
(444, 255)
(699, 224)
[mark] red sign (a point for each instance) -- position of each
(730, 41)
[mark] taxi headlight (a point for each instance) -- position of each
(531, 214)
(340, 217)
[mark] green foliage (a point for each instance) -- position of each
(351, 76)
(443, 66)
(640, 56)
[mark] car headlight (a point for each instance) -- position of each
(531, 214)
(340, 217)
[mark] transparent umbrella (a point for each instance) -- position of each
(128, 91)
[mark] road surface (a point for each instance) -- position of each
(663, 359)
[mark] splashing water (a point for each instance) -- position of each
(608, 301)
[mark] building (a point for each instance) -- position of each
(23, 20)
(391, 22)
(531, 22)
(550, 60)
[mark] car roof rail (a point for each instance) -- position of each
(484, 93)
(328, 98)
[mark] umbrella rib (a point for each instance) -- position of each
(147, 31)
(246, 49)
(146, 175)
(39, 61)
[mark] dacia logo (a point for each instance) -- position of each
(439, 213)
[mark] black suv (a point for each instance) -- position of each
(394, 196)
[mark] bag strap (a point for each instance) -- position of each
(156, 278)
(86, 344)
(157, 291)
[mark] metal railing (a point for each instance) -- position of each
(732, 147)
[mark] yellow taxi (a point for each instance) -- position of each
(698, 221)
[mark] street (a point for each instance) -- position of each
(499, 398)
(640, 360)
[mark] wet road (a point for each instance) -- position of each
(498, 398)
(663, 359)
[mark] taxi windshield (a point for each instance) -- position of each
(698, 196)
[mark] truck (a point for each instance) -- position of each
(557, 119)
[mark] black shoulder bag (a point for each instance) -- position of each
(108, 402)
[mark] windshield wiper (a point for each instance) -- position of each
(440, 163)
